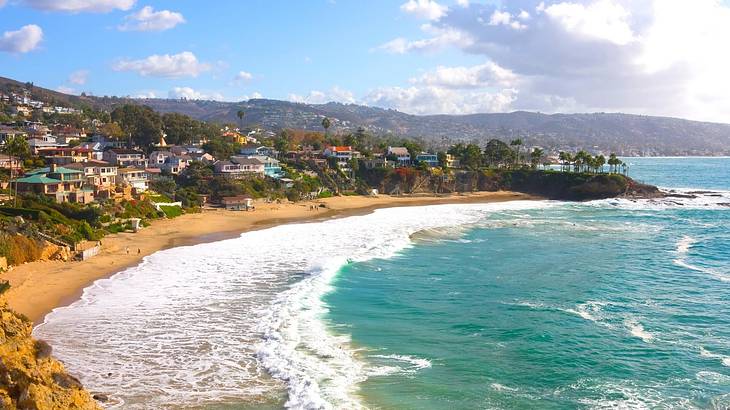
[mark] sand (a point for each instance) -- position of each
(39, 287)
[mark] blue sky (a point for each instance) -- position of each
(655, 57)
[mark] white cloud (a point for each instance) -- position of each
(438, 100)
(79, 77)
(79, 6)
(440, 39)
(145, 94)
(23, 40)
(463, 3)
(479, 76)
(243, 76)
(505, 19)
(147, 19)
(427, 9)
(602, 19)
(184, 64)
(657, 57)
(192, 94)
(335, 94)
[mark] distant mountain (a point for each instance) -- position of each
(621, 133)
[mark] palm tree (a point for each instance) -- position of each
(326, 123)
(613, 163)
(15, 147)
(240, 114)
(535, 157)
(600, 162)
(517, 143)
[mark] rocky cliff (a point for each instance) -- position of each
(29, 377)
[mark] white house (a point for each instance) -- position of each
(401, 154)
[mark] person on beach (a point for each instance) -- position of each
(139, 251)
(127, 249)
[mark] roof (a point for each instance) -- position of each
(401, 151)
(124, 151)
(246, 161)
(38, 179)
(59, 170)
(87, 164)
(130, 170)
(236, 198)
(340, 148)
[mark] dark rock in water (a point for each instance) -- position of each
(725, 204)
(675, 195)
(102, 398)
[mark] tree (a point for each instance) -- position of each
(283, 141)
(326, 124)
(112, 130)
(16, 147)
(498, 154)
(442, 159)
(240, 114)
(516, 143)
(140, 124)
(600, 162)
(472, 158)
(535, 157)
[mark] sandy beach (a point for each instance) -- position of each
(39, 287)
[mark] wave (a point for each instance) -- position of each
(637, 330)
(725, 360)
(676, 199)
(683, 247)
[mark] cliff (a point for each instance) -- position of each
(29, 377)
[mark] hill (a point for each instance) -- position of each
(624, 134)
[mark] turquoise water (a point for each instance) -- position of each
(611, 304)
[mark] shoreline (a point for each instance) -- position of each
(37, 288)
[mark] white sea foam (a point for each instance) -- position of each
(386, 365)
(683, 247)
(501, 387)
(637, 330)
(725, 360)
(590, 310)
(212, 323)
(685, 199)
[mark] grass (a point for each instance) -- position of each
(160, 198)
(171, 211)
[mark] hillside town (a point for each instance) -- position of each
(70, 176)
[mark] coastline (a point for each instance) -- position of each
(39, 287)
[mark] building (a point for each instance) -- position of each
(37, 143)
(123, 157)
(8, 162)
(238, 203)
(9, 132)
(256, 149)
(65, 155)
(431, 160)
(100, 175)
(66, 134)
(138, 179)
(341, 154)
(452, 161)
(400, 155)
(272, 168)
(62, 184)
(240, 167)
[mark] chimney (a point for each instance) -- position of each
(54, 167)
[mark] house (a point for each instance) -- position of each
(452, 161)
(66, 134)
(9, 132)
(22, 110)
(431, 160)
(202, 157)
(377, 162)
(62, 184)
(341, 154)
(240, 167)
(8, 162)
(158, 158)
(134, 177)
(189, 149)
(238, 203)
(100, 175)
(65, 155)
(123, 157)
(256, 149)
(272, 168)
(48, 141)
(400, 155)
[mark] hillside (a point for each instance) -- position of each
(624, 134)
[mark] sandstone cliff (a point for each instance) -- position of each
(29, 377)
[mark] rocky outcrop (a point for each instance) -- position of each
(30, 378)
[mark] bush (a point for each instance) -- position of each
(4, 286)
(171, 211)
(20, 249)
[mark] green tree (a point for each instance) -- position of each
(326, 124)
(140, 124)
(535, 157)
(17, 148)
(472, 157)
(498, 154)
(240, 114)
(517, 143)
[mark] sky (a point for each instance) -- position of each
(653, 57)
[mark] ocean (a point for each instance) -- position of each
(526, 304)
